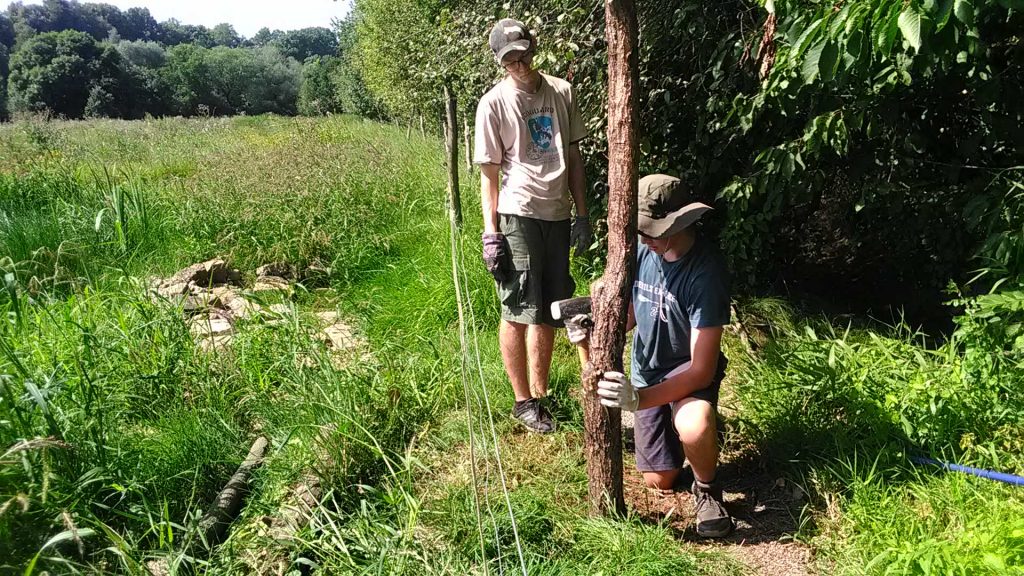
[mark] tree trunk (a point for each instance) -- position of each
(603, 427)
(466, 142)
(452, 144)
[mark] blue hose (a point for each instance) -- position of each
(980, 472)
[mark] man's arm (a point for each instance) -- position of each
(705, 347)
(489, 174)
(577, 180)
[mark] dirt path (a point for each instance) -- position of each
(765, 507)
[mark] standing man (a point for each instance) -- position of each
(680, 305)
(528, 127)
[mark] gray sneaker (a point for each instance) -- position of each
(534, 416)
(713, 521)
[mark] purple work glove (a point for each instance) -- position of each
(580, 235)
(496, 255)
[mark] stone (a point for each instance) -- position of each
(207, 273)
(277, 314)
(271, 283)
(340, 337)
(315, 276)
(328, 317)
(211, 324)
(281, 309)
(279, 269)
(213, 343)
(240, 307)
(194, 304)
(174, 290)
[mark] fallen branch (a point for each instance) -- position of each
(226, 506)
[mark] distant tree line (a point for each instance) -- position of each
(76, 60)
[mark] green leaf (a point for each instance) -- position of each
(1012, 4)
(854, 49)
(911, 23)
(811, 67)
(807, 37)
(940, 13)
(964, 11)
(886, 31)
(68, 535)
(828, 60)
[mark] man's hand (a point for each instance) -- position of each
(616, 391)
(578, 328)
(581, 235)
(496, 255)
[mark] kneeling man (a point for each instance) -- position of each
(680, 305)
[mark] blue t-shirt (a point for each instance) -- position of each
(669, 298)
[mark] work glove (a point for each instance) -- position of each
(496, 255)
(580, 235)
(578, 328)
(616, 391)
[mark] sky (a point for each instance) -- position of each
(247, 16)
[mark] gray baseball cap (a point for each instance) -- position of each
(665, 206)
(509, 35)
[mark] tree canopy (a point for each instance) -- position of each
(865, 148)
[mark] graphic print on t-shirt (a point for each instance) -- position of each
(657, 301)
(541, 147)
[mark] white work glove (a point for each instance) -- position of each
(578, 328)
(616, 391)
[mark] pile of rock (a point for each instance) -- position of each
(210, 294)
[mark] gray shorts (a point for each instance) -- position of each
(658, 447)
(540, 269)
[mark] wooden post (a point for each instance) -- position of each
(451, 141)
(423, 131)
(466, 143)
(603, 427)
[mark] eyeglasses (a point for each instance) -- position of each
(524, 59)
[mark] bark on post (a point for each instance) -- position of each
(603, 427)
(452, 145)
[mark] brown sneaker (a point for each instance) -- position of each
(534, 416)
(713, 521)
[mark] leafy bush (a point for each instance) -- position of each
(847, 144)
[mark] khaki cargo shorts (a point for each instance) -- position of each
(539, 275)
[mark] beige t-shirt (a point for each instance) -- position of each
(529, 136)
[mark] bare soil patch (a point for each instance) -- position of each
(765, 507)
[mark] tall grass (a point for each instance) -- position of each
(115, 432)
(847, 408)
(116, 427)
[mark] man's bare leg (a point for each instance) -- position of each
(662, 479)
(540, 340)
(695, 422)
(512, 340)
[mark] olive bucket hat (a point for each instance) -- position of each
(665, 206)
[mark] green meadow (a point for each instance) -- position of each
(117, 432)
